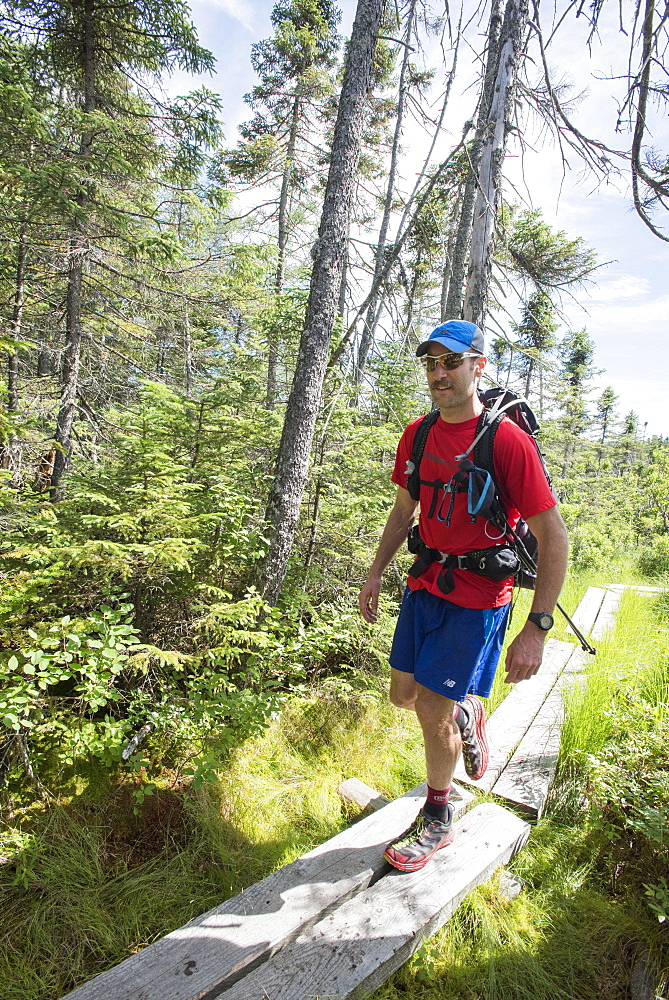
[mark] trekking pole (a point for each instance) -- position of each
(585, 645)
(530, 565)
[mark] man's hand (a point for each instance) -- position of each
(394, 535)
(524, 655)
(368, 599)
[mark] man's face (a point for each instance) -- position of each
(455, 387)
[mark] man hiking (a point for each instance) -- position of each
(449, 633)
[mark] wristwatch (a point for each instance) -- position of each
(541, 619)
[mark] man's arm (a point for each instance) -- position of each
(525, 653)
(394, 535)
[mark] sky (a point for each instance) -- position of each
(626, 308)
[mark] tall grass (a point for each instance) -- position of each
(69, 909)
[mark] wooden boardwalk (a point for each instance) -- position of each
(339, 920)
(524, 732)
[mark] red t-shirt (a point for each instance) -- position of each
(523, 488)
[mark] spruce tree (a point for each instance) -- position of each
(93, 50)
(536, 340)
(605, 416)
(280, 144)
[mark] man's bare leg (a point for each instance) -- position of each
(440, 730)
(432, 829)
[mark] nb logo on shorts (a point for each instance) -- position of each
(449, 683)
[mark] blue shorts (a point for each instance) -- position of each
(451, 650)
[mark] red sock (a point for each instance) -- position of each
(436, 803)
(437, 797)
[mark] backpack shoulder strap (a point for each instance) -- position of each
(485, 440)
(417, 449)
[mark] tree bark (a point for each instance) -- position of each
(448, 263)
(188, 351)
(284, 200)
(9, 451)
(492, 160)
(17, 319)
(292, 467)
(78, 251)
(411, 212)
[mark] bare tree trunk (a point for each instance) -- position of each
(448, 263)
(188, 351)
(528, 379)
(17, 319)
(374, 307)
(453, 306)
(8, 452)
(411, 212)
(13, 384)
(284, 200)
(292, 467)
(492, 160)
(71, 360)
(78, 251)
(315, 514)
(541, 393)
(343, 285)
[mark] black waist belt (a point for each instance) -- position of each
(499, 562)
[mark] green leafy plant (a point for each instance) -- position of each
(658, 899)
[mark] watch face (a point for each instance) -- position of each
(542, 619)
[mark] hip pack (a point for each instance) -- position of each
(498, 562)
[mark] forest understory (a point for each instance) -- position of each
(92, 871)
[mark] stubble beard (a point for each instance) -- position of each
(448, 400)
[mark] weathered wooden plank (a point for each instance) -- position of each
(522, 765)
(607, 614)
(461, 798)
(354, 949)
(214, 949)
(586, 613)
(511, 720)
(576, 663)
(526, 779)
(360, 794)
(636, 587)
(356, 791)
(217, 946)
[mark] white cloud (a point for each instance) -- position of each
(647, 319)
(239, 10)
(626, 286)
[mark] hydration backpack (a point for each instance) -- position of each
(476, 475)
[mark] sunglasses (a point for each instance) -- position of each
(447, 361)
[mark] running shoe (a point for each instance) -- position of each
(475, 753)
(414, 848)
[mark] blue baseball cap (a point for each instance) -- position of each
(456, 335)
